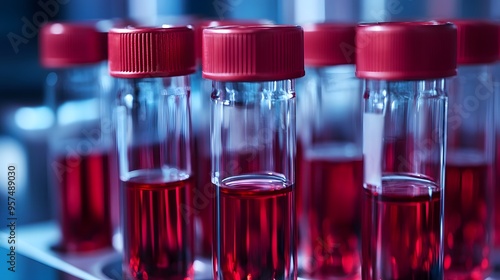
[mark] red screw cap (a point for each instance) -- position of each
(70, 44)
(202, 24)
(151, 52)
(253, 53)
(329, 44)
(477, 41)
(406, 50)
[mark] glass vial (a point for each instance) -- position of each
(470, 154)
(80, 143)
(253, 141)
(200, 101)
(405, 68)
(154, 149)
(329, 154)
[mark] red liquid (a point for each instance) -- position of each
(256, 229)
(401, 232)
(84, 194)
(330, 232)
(158, 237)
(466, 236)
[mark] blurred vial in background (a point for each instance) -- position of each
(153, 132)
(470, 154)
(253, 71)
(405, 66)
(329, 154)
(200, 112)
(80, 142)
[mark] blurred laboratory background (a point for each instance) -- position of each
(25, 121)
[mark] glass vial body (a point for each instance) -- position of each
(253, 144)
(80, 143)
(405, 102)
(153, 133)
(153, 137)
(404, 130)
(330, 167)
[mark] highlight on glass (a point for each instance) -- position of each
(405, 67)
(154, 149)
(252, 69)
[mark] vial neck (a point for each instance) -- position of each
(429, 87)
(249, 92)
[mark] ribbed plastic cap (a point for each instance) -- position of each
(71, 44)
(253, 53)
(202, 24)
(477, 41)
(151, 52)
(329, 44)
(406, 50)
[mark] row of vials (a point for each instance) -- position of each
(380, 164)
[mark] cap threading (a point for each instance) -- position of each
(406, 50)
(253, 53)
(151, 52)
